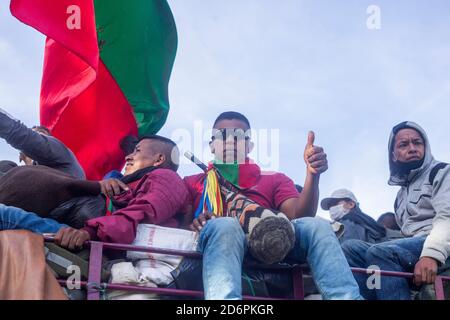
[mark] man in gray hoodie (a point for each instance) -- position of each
(422, 210)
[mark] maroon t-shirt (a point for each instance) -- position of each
(270, 190)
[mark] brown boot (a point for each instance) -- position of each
(270, 234)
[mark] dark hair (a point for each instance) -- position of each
(157, 137)
(128, 143)
(42, 129)
(169, 149)
(232, 115)
(393, 223)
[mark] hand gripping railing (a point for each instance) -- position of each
(438, 283)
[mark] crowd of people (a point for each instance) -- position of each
(50, 194)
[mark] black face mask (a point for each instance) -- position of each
(404, 168)
(137, 175)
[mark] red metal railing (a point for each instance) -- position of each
(95, 287)
(438, 283)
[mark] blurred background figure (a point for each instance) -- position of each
(5, 166)
(388, 221)
(344, 208)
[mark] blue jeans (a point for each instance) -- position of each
(223, 244)
(397, 255)
(12, 218)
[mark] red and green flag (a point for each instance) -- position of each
(106, 72)
(242, 176)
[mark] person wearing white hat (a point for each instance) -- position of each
(340, 203)
(344, 208)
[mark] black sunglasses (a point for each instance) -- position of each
(226, 133)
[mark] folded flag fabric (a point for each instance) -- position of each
(106, 72)
(242, 176)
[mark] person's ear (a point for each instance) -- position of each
(211, 146)
(160, 160)
(394, 157)
(351, 204)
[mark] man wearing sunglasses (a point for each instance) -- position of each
(222, 240)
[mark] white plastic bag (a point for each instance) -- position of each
(126, 273)
(155, 271)
(150, 235)
(157, 267)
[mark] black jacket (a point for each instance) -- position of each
(360, 226)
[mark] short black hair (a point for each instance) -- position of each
(157, 137)
(128, 143)
(170, 150)
(232, 115)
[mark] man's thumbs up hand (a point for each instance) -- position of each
(315, 157)
(311, 138)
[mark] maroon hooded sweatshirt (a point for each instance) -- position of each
(154, 199)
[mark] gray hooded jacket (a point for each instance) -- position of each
(421, 208)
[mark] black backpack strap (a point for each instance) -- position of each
(435, 170)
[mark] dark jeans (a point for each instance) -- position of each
(397, 255)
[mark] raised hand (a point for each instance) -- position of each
(315, 157)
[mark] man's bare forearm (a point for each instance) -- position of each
(309, 199)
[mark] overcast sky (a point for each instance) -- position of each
(290, 66)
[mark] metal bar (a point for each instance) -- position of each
(168, 291)
(394, 273)
(439, 288)
(126, 247)
(161, 291)
(384, 273)
(95, 267)
(297, 279)
(195, 160)
(438, 284)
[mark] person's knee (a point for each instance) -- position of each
(316, 226)
(377, 252)
(225, 227)
(351, 245)
(224, 233)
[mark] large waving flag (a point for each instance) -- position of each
(106, 72)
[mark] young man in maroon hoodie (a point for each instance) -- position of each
(150, 192)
